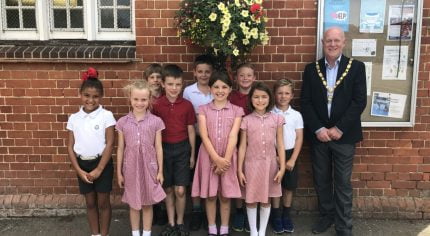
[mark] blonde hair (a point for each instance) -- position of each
(283, 82)
(136, 84)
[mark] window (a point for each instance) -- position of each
(67, 19)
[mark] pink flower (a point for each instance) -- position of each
(255, 8)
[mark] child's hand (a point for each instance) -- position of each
(218, 171)
(94, 174)
(84, 176)
(192, 162)
(222, 163)
(160, 178)
(289, 165)
(120, 180)
(278, 177)
(242, 179)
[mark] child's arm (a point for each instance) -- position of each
(159, 151)
(73, 159)
(119, 158)
(106, 154)
(232, 138)
(220, 162)
(297, 148)
(192, 139)
(241, 158)
(281, 153)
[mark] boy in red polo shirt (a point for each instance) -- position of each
(179, 136)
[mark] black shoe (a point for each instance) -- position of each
(322, 225)
(346, 232)
(196, 220)
(181, 230)
(169, 231)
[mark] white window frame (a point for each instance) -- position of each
(91, 26)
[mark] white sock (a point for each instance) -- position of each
(264, 219)
(252, 220)
(96, 235)
(146, 233)
(135, 233)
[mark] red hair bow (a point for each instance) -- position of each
(90, 73)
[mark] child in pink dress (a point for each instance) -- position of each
(216, 173)
(140, 157)
(258, 169)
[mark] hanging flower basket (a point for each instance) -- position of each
(226, 28)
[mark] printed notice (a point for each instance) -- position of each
(400, 22)
(393, 68)
(388, 104)
(368, 66)
(364, 47)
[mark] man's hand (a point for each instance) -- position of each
(323, 135)
(334, 133)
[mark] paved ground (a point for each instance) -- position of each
(77, 226)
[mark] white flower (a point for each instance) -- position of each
(245, 13)
(254, 33)
(212, 16)
(237, 3)
(245, 41)
(197, 20)
(258, 1)
(233, 36)
(221, 6)
(236, 52)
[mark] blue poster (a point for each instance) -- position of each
(372, 15)
(336, 13)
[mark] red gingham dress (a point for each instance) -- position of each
(140, 165)
(260, 165)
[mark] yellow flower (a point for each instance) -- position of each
(254, 33)
(233, 36)
(225, 28)
(213, 16)
(242, 25)
(259, 1)
(237, 3)
(245, 13)
(197, 20)
(236, 52)
(245, 41)
(221, 6)
(230, 42)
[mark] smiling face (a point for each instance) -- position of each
(140, 99)
(245, 77)
(220, 91)
(173, 87)
(260, 101)
(283, 96)
(90, 99)
(203, 72)
(154, 81)
(333, 44)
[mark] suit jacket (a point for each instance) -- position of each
(349, 101)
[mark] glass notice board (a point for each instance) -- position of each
(385, 35)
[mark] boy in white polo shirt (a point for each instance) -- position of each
(293, 140)
(199, 94)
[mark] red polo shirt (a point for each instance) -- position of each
(176, 117)
(239, 99)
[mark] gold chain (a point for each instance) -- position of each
(324, 81)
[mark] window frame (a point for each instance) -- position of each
(91, 31)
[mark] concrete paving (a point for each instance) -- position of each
(78, 226)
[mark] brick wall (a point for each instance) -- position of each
(392, 165)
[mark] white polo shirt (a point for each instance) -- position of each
(293, 121)
(196, 97)
(89, 130)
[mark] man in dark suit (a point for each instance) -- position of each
(332, 99)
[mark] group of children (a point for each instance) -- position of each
(243, 144)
